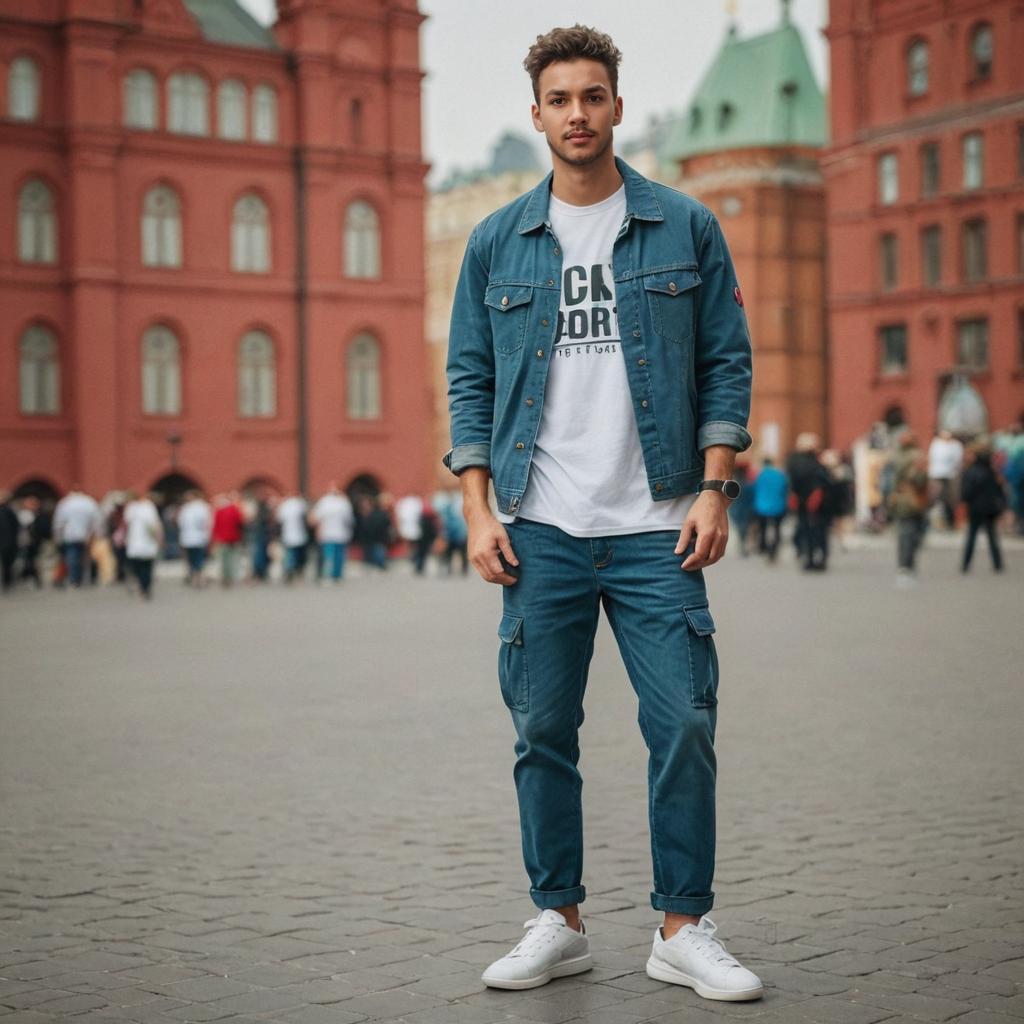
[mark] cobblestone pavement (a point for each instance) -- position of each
(296, 805)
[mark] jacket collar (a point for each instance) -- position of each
(641, 201)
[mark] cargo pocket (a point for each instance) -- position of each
(703, 657)
(512, 672)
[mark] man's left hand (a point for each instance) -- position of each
(708, 526)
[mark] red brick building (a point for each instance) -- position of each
(211, 252)
(925, 184)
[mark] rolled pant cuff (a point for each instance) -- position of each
(553, 899)
(698, 905)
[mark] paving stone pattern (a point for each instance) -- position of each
(295, 805)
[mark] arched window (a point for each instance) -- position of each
(23, 90)
(257, 375)
(362, 369)
(264, 114)
(37, 224)
(161, 228)
(140, 100)
(362, 241)
(250, 236)
(39, 372)
(981, 51)
(189, 106)
(917, 68)
(161, 372)
(231, 109)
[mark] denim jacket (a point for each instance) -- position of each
(683, 336)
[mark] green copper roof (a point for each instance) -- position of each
(225, 21)
(759, 91)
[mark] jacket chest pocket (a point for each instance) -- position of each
(671, 298)
(509, 307)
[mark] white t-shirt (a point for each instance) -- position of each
(76, 518)
(335, 519)
(142, 523)
(588, 476)
(195, 522)
(407, 515)
(291, 514)
(945, 458)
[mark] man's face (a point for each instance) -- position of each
(576, 110)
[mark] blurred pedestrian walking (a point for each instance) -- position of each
(145, 536)
(228, 526)
(76, 522)
(770, 490)
(741, 509)
(908, 503)
(30, 539)
(429, 530)
(291, 514)
(195, 531)
(374, 532)
(811, 487)
(335, 521)
(456, 534)
(945, 461)
(10, 528)
(985, 497)
(261, 533)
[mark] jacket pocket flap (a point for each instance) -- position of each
(700, 620)
(503, 297)
(672, 282)
(511, 629)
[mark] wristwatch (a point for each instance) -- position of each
(730, 488)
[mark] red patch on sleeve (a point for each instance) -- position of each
(737, 295)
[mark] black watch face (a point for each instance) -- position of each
(731, 489)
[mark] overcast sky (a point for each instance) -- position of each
(473, 50)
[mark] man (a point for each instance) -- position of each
(599, 377)
(908, 505)
(945, 462)
(335, 522)
(228, 528)
(144, 539)
(291, 515)
(76, 521)
(195, 530)
(770, 491)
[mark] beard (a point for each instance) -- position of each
(580, 159)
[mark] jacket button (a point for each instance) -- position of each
(658, 487)
(504, 300)
(540, 353)
(641, 362)
(671, 286)
(550, 282)
(543, 323)
(529, 401)
(558, 252)
(643, 404)
(636, 334)
(519, 444)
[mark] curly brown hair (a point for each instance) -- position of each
(577, 43)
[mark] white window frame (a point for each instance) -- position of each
(139, 94)
(161, 372)
(888, 179)
(39, 372)
(918, 59)
(37, 223)
(264, 113)
(23, 89)
(361, 242)
(250, 235)
(188, 108)
(257, 376)
(232, 110)
(161, 228)
(363, 378)
(973, 155)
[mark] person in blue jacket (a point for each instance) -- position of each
(770, 490)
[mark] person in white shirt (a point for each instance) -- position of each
(145, 534)
(334, 521)
(195, 526)
(945, 461)
(291, 514)
(76, 520)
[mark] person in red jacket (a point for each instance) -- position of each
(228, 525)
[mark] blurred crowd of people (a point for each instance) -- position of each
(978, 484)
(80, 540)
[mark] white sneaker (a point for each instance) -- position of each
(550, 949)
(695, 958)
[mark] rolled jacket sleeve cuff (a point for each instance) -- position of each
(723, 432)
(463, 456)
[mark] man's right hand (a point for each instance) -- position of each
(486, 538)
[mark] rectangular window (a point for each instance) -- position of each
(974, 160)
(892, 341)
(972, 344)
(975, 251)
(888, 259)
(929, 170)
(931, 256)
(888, 179)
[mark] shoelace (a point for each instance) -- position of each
(538, 935)
(704, 941)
